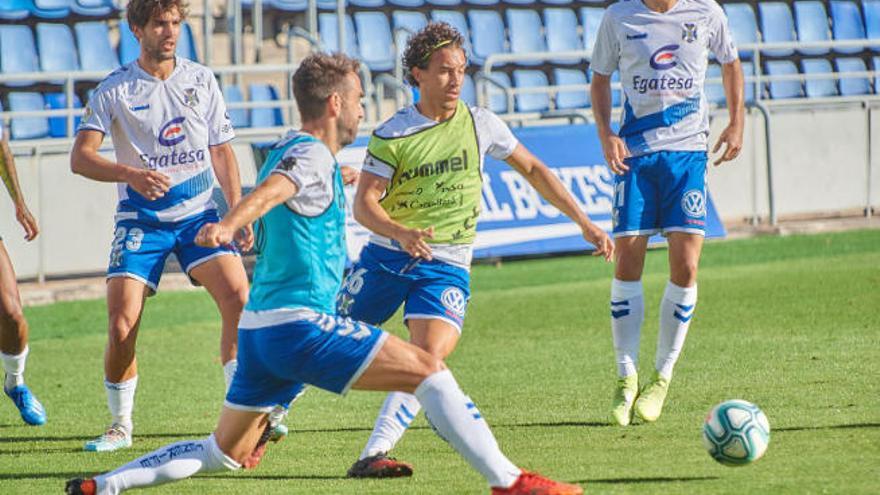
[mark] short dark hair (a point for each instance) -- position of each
(139, 12)
(424, 43)
(320, 75)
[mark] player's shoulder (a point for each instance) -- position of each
(623, 8)
(194, 72)
(118, 76)
(309, 149)
(708, 7)
(404, 123)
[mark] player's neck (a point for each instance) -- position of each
(160, 69)
(435, 110)
(323, 131)
(661, 6)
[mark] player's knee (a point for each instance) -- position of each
(11, 315)
(121, 335)
(684, 274)
(233, 301)
(429, 364)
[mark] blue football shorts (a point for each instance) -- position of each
(140, 247)
(663, 192)
(383, 279)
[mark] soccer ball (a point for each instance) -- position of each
(736, 433)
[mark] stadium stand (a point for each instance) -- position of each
(57, 49)
(785, 88)
(51, 9)
(28, 127)
(570, 100)
(93, 8)
(14, 10)
(561, 27)
(526, 33)
(846, 24)
(18, 53)
(58, 125)
(743, 25)
(531, 102)
(818, 88)
(93, 47)
(777, 26)
(850, 86)
(265, 116)
(329, 31)
(811, 20)
(239, 116)
(377, 54)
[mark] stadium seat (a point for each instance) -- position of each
(748, 71)
(714, 91)
(560, 26)
(444, 3)
(520, 3)
(265, 116)
(524, 26)
(186, 43)
(743, 26)
(15, 10)
(93, 8)
(51, 9)
(93, 42)
(777, 26)
(56, 48)
(328, 27)
(812, 25)
(238, 116)
(468, 91)
(616, 94)
(458, 21)
(406, 23)
(18, 52)
(487, 34)
(130, 47)
(846, 24)
(286, 5)
(783, 89)
(411, 4)
(28, 127)
(58, 125)
(367, 4)
(871, 9)
(876, 75)
(557, 2)
(818, 88)
(850, 86)
(482, 3)
(497, 97)
(531, 102)
(591, 18)
(567, 100)
(377, 53)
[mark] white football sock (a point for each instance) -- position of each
(397, 413)
(457, 420)
(170, 463)
(676, 311)
(14, 367)
(120, 400)
(229, 371)
(627, 314)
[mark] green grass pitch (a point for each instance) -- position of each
(791, 324)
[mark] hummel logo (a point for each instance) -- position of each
(141, 107)
(639, 36)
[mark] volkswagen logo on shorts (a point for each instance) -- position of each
(453, 299)
(694, 203)
(172, 132)
(664, 58)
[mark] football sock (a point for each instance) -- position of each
(627, 314)
(457, 420)
(229, 371)
(14, 367)
(676, 311)
(170, 463)
(394, 418)
(120, 400)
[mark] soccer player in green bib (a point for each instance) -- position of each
(419, 194)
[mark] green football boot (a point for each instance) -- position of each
(624, 397)
(649, 405)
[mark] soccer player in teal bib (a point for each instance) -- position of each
(659, 157)
(289, 334)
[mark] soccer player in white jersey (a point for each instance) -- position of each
(171, 135)
(659, 156)
(13, 325)
(420, 193)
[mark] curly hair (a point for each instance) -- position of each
(424, 43)
(320, 75)
(139, 12)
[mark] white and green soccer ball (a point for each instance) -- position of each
(736, 433)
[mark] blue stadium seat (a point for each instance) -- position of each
(591, 18)
(567, 100)
(818, 88)
(93, 8)
(871, 9)
(57, 49)
(783, 89)
(130, 47)
(876, 61)
(238, 116)
(28, 127)
(368, 4)
(524, 27)
(714, 91)
(327, 5)
(456, 20)
(286, 5)
(93, 42)
(482, 3)
(562, 35)
(850, 86)
(743, 25)
(328, 27)
(265, 117)
(468, 91)
(812, 25)
(487, 34)
(18, 52)
(557, 2)
(519, 2)
(15, 10)
(846, 24)
(777, 26)
(497, 98)
(411, 4)
(58, 125)
(444, 3)
(406, 23)
(749, 70)
(186, 43)
(531, 102)
(51, 9)
(377, 53)
(616, 94)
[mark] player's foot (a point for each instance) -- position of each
(535, 484)
(80, 486)
(379, 466)
(624, 397)
(32, 412)
(278, 430)
(650, 402)
(116, 437)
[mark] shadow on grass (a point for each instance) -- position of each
(557, 424)
(62, 438)
(829, 427)
(273, 477)
(41, 476)
(658, 479)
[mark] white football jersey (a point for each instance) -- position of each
(165, 126)
(662, 59)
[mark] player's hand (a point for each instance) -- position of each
(615, 152)
(599, 238)
(413, 242)
(149, 183)
(244, 238)
(24, 217)
(732, 136)
(349, 175)
(214, 235)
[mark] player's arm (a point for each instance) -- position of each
(549, 186)
(271, 192)
(613, 146)
(10, 180)
(734, 89)
(86, 161)
(369, 213)
(226, 169)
